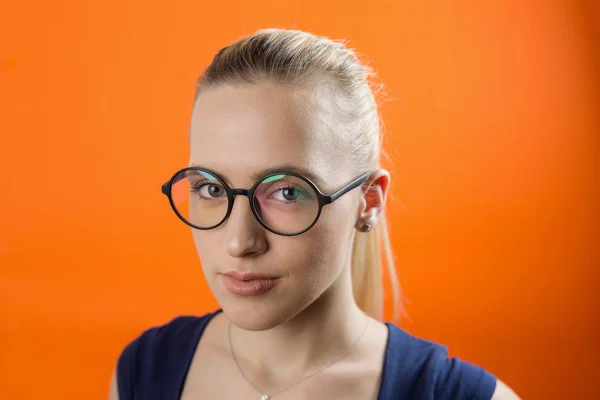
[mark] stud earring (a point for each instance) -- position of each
(366, 227)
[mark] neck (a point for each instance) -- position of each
(317, 336)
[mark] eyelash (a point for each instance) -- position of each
(198, 185)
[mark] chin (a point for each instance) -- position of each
(254, 314)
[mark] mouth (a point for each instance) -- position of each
(248, 284)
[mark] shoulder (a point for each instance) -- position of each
(161, 350)
(422, 369)
(154, 340)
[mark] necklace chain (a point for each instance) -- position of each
(265, 396)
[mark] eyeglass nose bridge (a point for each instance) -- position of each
(233, 193)
(240, 192)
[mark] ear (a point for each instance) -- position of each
(372, 201)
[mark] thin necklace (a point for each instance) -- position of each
(265, 396)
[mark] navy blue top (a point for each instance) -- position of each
(155, 365)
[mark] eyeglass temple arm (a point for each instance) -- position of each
(354, 184)
(166, 188)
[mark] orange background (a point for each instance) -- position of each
(493, 132)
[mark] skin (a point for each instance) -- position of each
(310, 318)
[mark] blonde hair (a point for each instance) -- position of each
(297, 58)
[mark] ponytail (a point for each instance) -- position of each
(367, 271)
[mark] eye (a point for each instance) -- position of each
(210, 190)
(289, 193)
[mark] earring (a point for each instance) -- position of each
(366, 227)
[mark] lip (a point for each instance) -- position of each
(248, 284)
(248, 276)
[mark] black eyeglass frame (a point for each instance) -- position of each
(323, 199)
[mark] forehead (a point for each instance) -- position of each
(238, 130)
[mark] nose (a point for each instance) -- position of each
(245, 235)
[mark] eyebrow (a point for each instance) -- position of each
(255, 176)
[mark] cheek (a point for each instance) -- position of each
(321, 254)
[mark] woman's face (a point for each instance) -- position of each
(236, 132)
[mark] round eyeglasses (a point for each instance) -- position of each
(285, 203)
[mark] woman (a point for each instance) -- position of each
(285, 196)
